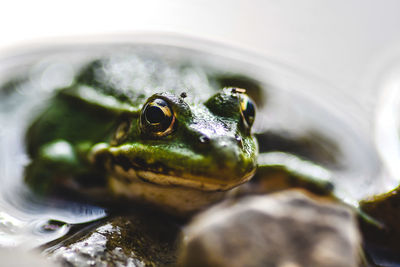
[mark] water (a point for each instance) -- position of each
(26, 220)
(295, 103)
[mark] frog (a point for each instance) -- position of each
(176, 138)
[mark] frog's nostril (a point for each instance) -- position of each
(204, 139)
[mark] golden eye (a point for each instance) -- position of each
(157, 118)
(248, 109)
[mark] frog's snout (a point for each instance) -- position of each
(227, 151)
(226, 148)
(231, 162)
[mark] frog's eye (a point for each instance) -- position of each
(157, 117)
(247, 109)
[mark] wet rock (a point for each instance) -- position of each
(134, 240)
(283, 229)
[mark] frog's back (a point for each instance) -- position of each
(88, 110)
(133, 78)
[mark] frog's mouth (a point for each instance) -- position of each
(170, 179)
(135, 169)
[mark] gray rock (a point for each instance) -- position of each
(136, 241)
(286, 229)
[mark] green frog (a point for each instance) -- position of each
(175, 137)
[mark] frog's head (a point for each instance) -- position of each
(207, 146)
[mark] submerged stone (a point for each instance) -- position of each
(282, 229)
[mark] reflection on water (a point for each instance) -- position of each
(295, 104)
(24, 219)
(387, 125)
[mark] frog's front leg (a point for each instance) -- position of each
(57, 163)
(278, 171)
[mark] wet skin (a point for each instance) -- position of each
(169, 141)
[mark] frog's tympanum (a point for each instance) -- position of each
(170, 137)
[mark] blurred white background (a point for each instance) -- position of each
(345, 42)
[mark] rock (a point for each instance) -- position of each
(282, 229)
(134, 240)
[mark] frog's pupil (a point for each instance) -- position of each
(157, 118)
(248, 111)
(154, 114)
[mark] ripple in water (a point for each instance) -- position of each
(24, 219)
